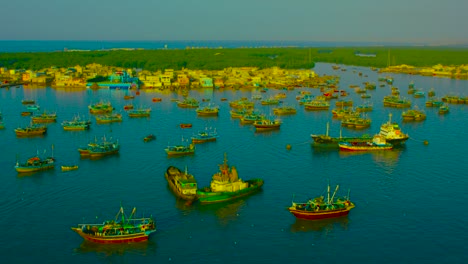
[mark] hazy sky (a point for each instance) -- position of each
(427, 21)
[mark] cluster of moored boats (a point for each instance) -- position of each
(225, 186)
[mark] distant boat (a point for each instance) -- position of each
(181, 183)
(108, 118)
(188, 103)
(443, 109)
(33, 107)
(325, 141)
(35, 163)
(123, 230)
(31, 130)
(28, 101)
(76, 124)
(185, 125)
(101, 108)
(44, 118)
(140, 112)
(149, 137)
(267, 124)
(99, 149)
(207, 111)
(205, 136)
(156, 99)
(69, 168)
(180, 150)
(318, 208)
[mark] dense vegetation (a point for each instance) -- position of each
(214, 59)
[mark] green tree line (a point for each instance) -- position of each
(217, 59)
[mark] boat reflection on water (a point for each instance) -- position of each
(146, 248)
(384, 158)
(324, 225)
(225, 211)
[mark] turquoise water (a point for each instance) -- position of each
(410, 202)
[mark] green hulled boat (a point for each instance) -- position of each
(226, 185)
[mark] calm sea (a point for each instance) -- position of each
(60, 45)
(410, 202)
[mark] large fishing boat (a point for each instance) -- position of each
(250, 118)
(180, 150)
(392, 132)
(318, 208)
(101, 108)
(207, 110)
(127, 230)
(205, 136)
(108, 118)
(139, 112)
(267, 124)
(413, 115)
(317, 105)
(226, 185)
(181, 183)
(378, 142)
(35, 163)
(188, 103)
(242, 103)
(31, 130)
(44, 118)
(76, 124)
(99, 149)
(284, 110)
(332, 142)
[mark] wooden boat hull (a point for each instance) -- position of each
(93, 154)
(203, 140)
(364, 148)
(177, 153)
(131, 238)
(69, 168)
(321, 214)
(185, 125)
(34, 169)
(207, 113)
(266, 127)
(217, 197)
(174, 188)
(76, 128)
(30, 133)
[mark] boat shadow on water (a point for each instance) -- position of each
(324, 225)
(146, 248)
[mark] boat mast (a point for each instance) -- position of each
(328, 127)
(337, 187)
(328, 193)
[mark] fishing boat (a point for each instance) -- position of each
(325, 141)
(378, 142)
(207, 110)
(128, 107)
(267, 124)
(188, 103)
(108, 118)
(44, 118)
(250, 118)
(443, 109)
(226, 185)
(101, 108)
(35, 163)
(31, 130)
(319, 208)
(140, 112)
(28, 101)
(419, 94)
(181, 183)
(316, 105)
(205, 136)
(185, 125)
(69, 167)
(76, 124)
(396, 101)
(99, 149)
(156, 99)
(180, 150)
(270, 101)
(392, 133)
(413, 115)
(33, 107)
(123, 230)
(356, 122)
(149, 137)
(242, 103)
(342, 103)
(26, 113)
(284, 110)
(238, 113)
(431, 93)
(128, 97)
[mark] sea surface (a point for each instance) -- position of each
(410, 202)
(61, 45)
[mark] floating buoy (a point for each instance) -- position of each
(426, 142)
(288, 147)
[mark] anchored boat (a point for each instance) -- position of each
(318, 208)
(181, 183)
(123, 230)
